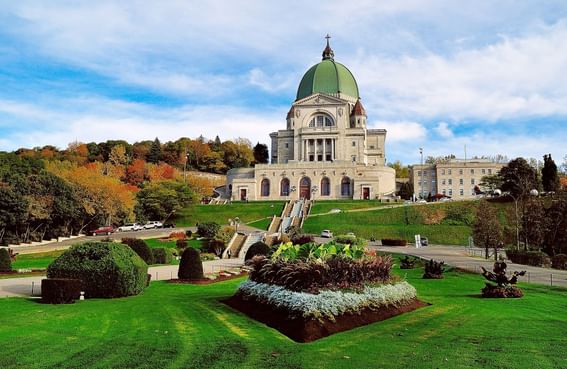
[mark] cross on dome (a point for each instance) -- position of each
(328, 52)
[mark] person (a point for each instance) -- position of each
(229, 254)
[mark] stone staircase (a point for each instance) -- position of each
(251, 239)
(234, 245)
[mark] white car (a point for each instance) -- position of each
(327, 234)
(422, 201)
(129, 227)
(153, 224)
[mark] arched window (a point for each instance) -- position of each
(284, 187)
(325, 186)
(321, 120)
(345, 187)
(265, 187)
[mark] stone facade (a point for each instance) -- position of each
(325, 151)
(455, 178)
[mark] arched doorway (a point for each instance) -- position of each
(325, 186)
(346, 187)
(305, 188)
(284, 187)
(265, 187)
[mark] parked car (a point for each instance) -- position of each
(128, 227)
(327, 234)
(169, 225)
(424, 241)
(103, 230)
(422, 201)
(153, 224)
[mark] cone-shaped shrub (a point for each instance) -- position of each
(190, 266)
(141, 248)
(5, 261)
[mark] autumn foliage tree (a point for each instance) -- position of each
(487, 230)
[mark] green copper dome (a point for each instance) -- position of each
(328, 77)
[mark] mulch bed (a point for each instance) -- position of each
(302, 329)
(221, 278)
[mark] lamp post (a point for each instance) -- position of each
(421, 176)
(236, 222)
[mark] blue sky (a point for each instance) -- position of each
(436, 74)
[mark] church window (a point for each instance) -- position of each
(353, 143)
(345, 186)
(311, 157)
(286, 145)
(284, 187)
(325, 187)
(321, 120)
(265, 187)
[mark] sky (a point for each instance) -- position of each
(436, 74)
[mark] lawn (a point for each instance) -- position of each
(400, 222)
(157, 243)
(324, 206)
(246, 212)
(35, 261)
(186, 326)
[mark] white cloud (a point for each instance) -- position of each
(402, 131)
(443, 130)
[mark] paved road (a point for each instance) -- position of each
(457, 256)
(22, 287)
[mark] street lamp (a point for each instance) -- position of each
(421, 167)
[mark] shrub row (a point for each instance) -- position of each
(258, 248)
(314, 275)
(393, 242)
(533, 258)
(327, 304)
(60, 290)
(105, 269)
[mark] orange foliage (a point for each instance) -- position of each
(136, 172)
(161, 172)
(563, 182)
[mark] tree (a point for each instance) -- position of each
(555, 227)
(261, 154)
(487, 230)
(549, 176)
(401, 170)
(136, 173)
(519, 178)
(490, 183)
(406, 191)
(159, 200)
(117, 155)
(533, 224)
(154, 156)
(216, 144)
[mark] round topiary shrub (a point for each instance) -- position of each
(60, 290)
(5, 260)
(258, 248)
(106, 269)
(162, 255)
(141, 248)
(190, 266)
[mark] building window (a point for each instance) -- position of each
(265, 187)
(442, 181)
(472, 171)
(328, 158)
(450, 181)
(353, 143)
(450, 192)
(472, 181)
(449, 171)
(325, 186)
(461, 181)
(461, 192)
(419, 173)
(444, 192)
(345, 186)
(286, 145)
(320, 157)
(483, 171)
(284, 187)
(311, 157)
(443, 171)
(354, 158)
(490, 171)
(371, 147)
(460, 172)
(321, 121)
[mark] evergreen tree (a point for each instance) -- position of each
(216, 145)
(261, 154)
(154, 156)
(406, 191)
(550, 179)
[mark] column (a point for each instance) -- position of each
(324, 149)
(333, 149)
(304, 149)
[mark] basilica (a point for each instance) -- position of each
(325, 151)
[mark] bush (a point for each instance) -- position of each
(106, 269)
(5, 260)
(302, 239)
(559, 261)
(162, 255)
(314, 275)
(177, 235)
(434, 269)
(216, 246)
(258, 248)
(141, 248)
(181, 244)
(393, 242)
(208, 229)
(190, 266)
(408, 262)
(60, 290)
(206, 256)
(189, 233)
(533, 258)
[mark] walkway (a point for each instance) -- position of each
(22, 287)
(457, 256)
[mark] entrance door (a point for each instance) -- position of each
(366, 193)
(243, 194)
(305, 188)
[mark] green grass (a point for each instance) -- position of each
(186, 326)
(324, 206)
(157, 243)
(247, 212)
(262, 223)
(35, 261)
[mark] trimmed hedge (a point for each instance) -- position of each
(5, 260)
(162, 255)
(190, 266)
(533, 258)
(258, 248)
(393, 242)
(106, 269)
(60, 290)
(208, 229)
(141, 248)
